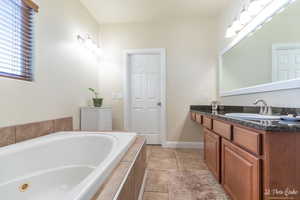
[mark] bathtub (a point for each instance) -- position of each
(60, 166)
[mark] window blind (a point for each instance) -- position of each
(16, 38)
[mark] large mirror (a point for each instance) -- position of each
(270, 55)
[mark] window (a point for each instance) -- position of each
(16, 38)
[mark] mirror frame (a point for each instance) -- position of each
(274, 8)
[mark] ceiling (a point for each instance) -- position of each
(125, 11)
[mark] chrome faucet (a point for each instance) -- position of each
(264, 108)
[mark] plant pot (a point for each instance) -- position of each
(97, 102)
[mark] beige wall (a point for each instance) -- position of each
(63, 70)
(191, 62)
(285, 98)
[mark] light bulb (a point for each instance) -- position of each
(99, 52)
(89, 43)
(94, 48)
(255, 7)
(265, 2)
(80, 39)
(245, 17)
(237, 26)
(230, 32)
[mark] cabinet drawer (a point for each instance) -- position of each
(207, 122)
(248, 139)
(193, 116)
(222, 129)
(199, 118)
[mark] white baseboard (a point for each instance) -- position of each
(152, 138)
(183, 145)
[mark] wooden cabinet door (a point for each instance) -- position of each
(212, 152)
(240, 173)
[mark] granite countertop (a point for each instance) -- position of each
(264, 125)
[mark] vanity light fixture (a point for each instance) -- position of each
(89, 44)
(234, 28)
(247, 14)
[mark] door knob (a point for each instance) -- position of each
(159, 103)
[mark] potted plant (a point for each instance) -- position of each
(97, 101)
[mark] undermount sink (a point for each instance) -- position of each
(251, 116)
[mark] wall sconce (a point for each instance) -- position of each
(89, 44)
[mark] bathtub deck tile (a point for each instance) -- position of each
(7, 136)
(155, 196)
(112, 185)
(133, 150)
(110, 188)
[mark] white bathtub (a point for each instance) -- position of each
(61, 166)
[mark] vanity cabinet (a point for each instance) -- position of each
(252, 164)
(250, 140)
(193, 116)
(212, 144)
(207, 122)
(240, 172)
(197, 117)
(223, 129)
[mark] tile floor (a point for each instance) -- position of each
(179, 174)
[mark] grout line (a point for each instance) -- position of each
(180, 168)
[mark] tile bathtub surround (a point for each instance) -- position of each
(33, 130)
(110, 188)
(63, 124)
(185, 179)
(7, 136)
(19, 133)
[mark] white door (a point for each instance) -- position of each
(286, 65)
(145, 96)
